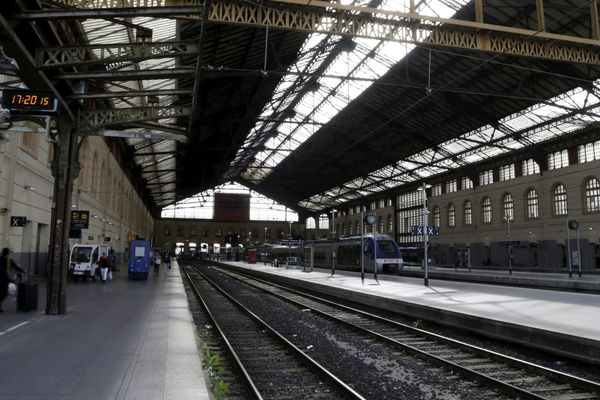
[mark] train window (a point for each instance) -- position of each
(386, 249)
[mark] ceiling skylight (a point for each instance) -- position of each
(360, 64)
(555, 117)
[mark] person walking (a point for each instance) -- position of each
(104, 266)
(6, 264)
(166, 262)
(157, 261)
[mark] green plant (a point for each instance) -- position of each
(212, 364)
(418, 324)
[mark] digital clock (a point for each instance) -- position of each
(28, 100)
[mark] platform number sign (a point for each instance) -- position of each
(80, 219)
(18, 221)
(421, 230)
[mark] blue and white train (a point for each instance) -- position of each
(346, 251)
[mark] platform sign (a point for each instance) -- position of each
(18, 221)
(80, 219)
(429, 230)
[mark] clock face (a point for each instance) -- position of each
(28, 100)
(370, 219)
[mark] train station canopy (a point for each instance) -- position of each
(313, 104)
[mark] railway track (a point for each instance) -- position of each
(271, 366)
(507, 374)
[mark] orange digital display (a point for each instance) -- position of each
(23, 100)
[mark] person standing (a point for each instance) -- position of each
(157, 261)
(5, 265)
(104, 266)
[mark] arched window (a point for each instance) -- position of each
(390, 224)
(592, 195)
(451, 215)
(380, 225)
(468, 212)
(486, 208)
(436, 216)
(344, 229)
(509, 207)
(533, 204)
(310, 223)
(560, 199)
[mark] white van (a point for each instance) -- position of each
(83, 260)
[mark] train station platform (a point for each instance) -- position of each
(561, 322)
(588, 281)
(121, 340)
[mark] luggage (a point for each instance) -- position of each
(27, 296)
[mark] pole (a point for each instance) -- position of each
(375, 246)
(426, 281)
(509, 245)
(332, 244)
(362, 248)
(578, 251)
(569, 250)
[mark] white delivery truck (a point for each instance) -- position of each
(83, 261)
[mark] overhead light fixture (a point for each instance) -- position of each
(8, 65)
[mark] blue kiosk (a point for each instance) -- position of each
(140, 259)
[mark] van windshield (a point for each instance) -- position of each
(82, 254)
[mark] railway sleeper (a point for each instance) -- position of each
(550, 388)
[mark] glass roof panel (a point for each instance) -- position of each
(99, 31)
(351, 73)
(570, 110)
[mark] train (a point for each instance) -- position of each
(345, 251)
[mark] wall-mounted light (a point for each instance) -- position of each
(27, 187)
(3, 210)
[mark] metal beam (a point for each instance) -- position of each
(174, 73)
(159, 171)
(130, 93)
(354, 21)
(90, 121)
(142, 135)
(54, 57)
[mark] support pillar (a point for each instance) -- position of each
(65, 168)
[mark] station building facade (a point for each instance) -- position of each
(116, 211)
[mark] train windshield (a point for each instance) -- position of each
(386, 249)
